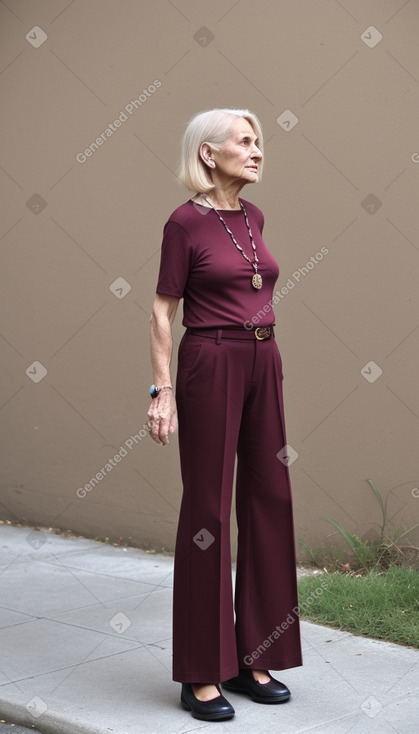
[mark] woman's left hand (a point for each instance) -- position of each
(162, 417)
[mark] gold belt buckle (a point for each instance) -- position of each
(263, 332)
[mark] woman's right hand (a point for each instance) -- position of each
(162, 416)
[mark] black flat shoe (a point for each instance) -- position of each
(272, 692)
(217, 709)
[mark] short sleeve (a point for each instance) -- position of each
(259, 216)
(175, 260)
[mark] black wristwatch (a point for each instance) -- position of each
(154, 390)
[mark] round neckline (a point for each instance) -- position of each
(225, 211)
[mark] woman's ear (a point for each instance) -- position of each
(206, 155)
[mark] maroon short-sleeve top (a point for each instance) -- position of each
(200, 263)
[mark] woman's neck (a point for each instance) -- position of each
(220, 201)
(225, 195)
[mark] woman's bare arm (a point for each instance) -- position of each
(162, 414)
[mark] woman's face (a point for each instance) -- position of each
(239, 156)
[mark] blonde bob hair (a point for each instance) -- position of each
(212, 127)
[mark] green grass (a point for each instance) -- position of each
(382, 605)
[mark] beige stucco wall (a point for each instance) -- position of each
(344, 177)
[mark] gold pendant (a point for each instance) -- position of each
(257, 281)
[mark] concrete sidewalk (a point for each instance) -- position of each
(85, 647)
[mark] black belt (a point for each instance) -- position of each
(261, 333)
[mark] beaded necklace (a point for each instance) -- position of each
(256, 278)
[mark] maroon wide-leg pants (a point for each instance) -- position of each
(229, 396)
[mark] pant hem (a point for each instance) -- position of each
(205, 677)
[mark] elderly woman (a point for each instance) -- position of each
(229, 401)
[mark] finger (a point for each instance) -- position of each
(164, 431)
(172, 426)
(173, 422)
(153, 427)
(152, 423)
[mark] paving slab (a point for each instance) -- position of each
(16, 729)
(85, 648)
